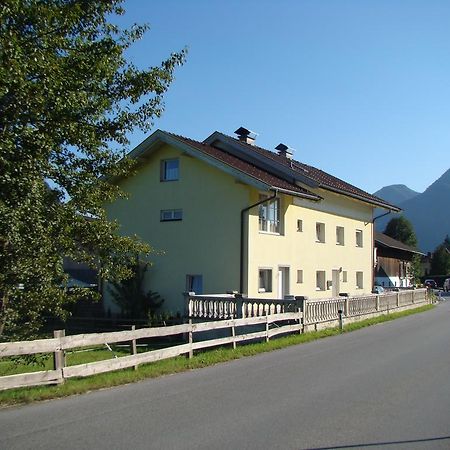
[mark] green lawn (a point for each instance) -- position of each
(159, 368)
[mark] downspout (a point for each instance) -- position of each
(373, 246)
(243, 212)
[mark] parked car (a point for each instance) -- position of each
(378, 290)
(447, 285)
(431, 284)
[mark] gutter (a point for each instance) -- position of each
(243, 213)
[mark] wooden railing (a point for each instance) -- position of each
(282, 323)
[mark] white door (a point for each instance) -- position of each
(283, 281)
(335, 283)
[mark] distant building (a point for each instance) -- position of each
(393, 262)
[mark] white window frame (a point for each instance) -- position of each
(265, 279)
(359, 280)
(171, 215)
(340, 235)
(170, 173)
(359, 238)
(270, 215)
(321, 283)
(320, 232)
(344, 276)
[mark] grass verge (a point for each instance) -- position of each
(181, 364)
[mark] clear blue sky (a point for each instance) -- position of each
(360, 88)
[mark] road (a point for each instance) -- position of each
(386, 386)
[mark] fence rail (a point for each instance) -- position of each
(286, 323)
(314, 311)
(270, 317)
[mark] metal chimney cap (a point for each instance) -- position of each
(244, 132)
(282, 147)
(284, 150)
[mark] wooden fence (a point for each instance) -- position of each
(270, 317)
(283, 323)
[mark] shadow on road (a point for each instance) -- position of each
(375, 444)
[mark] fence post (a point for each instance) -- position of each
(413, 296)
(346, 306)
(301, 305)
(191, 352)
(133, 346)
(377, 303)
(239, 313)
(267, 327)
(59, 359)
(299, 312)
(341, 320)
(398, 299)
(233, 333)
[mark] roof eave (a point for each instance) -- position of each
(313, 197)
(362, 199)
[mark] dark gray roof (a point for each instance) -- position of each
(386, 241)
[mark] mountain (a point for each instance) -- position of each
(429, 212)
(396, 193)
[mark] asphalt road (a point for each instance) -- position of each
(386, 386)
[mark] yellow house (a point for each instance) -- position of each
(226, 215)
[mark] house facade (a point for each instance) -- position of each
(226, 215)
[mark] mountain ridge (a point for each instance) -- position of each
(429, 211)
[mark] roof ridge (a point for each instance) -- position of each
(247, 167)
(320, 176)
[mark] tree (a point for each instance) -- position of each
(440, 261)
(400, 228)
(130, 296)
(68, 98)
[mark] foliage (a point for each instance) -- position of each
(400, 228)
(416, 270)
(440, 261)
(131, 297)
(68, 98)
(164, 318)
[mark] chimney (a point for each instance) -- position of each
(284, 150)
(245, 135)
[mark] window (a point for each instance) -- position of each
(320, 232)
(320, 280)
(299, 225)
(339, 235)
(169, 215)
(269, 215)
(265, 280)
(194, 283)
(344, 276)
(299, 276)
(170, 170)
(359, 280)
(359, 238)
